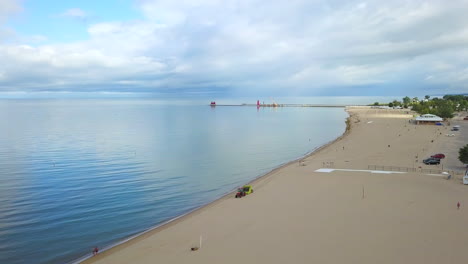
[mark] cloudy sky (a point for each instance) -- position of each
(228, 47)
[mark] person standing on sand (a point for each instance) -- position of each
(458, 205)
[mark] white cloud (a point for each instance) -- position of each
(75, 13)
(9, 8)
(298, 45)
(69, 64)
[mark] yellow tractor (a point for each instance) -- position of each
(241, 192)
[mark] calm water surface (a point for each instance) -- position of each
(75, 174)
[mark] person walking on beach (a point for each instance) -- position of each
(95, 251)
(458, 205)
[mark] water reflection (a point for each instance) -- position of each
(80, 173)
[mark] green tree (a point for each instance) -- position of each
(463, 106)
(455, 97)
(445, 112)
(406, 100)
(444, 109)
(463, 154)
(376, 103)
(419, 108)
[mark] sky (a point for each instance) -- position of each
(234, 48)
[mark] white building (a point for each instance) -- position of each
(428, 119)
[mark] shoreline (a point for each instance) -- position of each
(175, 220)
(396, 220)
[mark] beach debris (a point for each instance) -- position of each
(194, 248)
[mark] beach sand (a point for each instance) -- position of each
(298, 215)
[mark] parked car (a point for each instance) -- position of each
(431, 161)
(438, 156)
(466, 118)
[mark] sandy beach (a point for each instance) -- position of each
(348, 212)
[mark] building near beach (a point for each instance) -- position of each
(428, 119)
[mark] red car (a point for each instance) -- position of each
(438, 156)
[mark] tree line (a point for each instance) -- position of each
(443, 107)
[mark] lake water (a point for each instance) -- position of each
(75, 174)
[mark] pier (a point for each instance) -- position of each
(285, 105)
